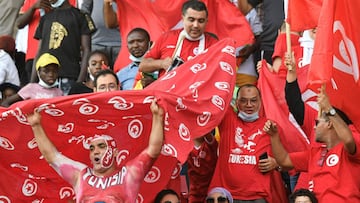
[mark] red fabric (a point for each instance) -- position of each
(194, 100)
(160, 16)
(272, 87)
(335, 180)
(336, 55)
(303, 14)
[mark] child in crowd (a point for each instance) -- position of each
(97, 61)
(47, 67)
(8, 89)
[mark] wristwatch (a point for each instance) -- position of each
(331, 112)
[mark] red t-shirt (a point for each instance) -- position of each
(120, 187)
(201, 164)
(165, 46)
(241, 144)
(337, 179)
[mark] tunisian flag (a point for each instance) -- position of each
(194, 97)
(303, 14)
(335, 59)
(159, 16)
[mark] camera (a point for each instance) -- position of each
(177, 62)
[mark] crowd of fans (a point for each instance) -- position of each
(72, 47)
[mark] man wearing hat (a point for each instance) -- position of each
(47, 67)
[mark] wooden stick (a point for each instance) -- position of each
(288, 42)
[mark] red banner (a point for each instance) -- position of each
(303, 14)
(336, 55)
(159, 16)
(194, 97)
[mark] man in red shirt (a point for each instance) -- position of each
(182, 44)
(105, 181)
(331, 167)
(241, 168)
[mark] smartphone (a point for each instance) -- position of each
(263, 156)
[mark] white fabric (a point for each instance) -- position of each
(308, 47)
(8, 70)
(180, 41)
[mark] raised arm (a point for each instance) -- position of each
(342, 129)
(110, 16)
(292, 91)
(280, 154)
(86, 49)
(25, 18)
(157, 130)
(46, 147)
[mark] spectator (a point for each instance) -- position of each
(8, 70)
(47, 67)
(65, 32)
(245, 149)
(167, 196)
(138, 43)
(97, 61)
(102, 153)
(220, 194)
(30, 15)
(7, 90)
(201, 163)
(106, 39)
(303, 196)
(330, 166)
(106, 81)
(177, 46)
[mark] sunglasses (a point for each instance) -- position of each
(219, 199)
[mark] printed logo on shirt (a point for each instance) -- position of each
(57, 35)
(103, 183)
(332, 160)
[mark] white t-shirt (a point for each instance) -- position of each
(8, 70)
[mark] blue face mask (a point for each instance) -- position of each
(58, 3)
(248, 117)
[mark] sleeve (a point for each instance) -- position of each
(67, 168)
(294, 101)
(300, 160)
(87, 25)
(39, 29)
(25, 92)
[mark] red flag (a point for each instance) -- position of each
(272, 88)
(336, 55)
(194, 97)
(303, 14)
(160, 16)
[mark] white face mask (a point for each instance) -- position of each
(135, 59)
(248, 117)
(43, 84)
(58, 3)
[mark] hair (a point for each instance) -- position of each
(141, 30)
(104, 73)
(194, 4)
(303, 192)
(98, 52)
(160, 195)
(249, 86)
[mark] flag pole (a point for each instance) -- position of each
(288, 42)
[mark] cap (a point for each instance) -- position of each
(7, 43)
(222, 191)
(46, 59)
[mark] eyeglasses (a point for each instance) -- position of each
(167, 201)
(219, 199)
(322, 157)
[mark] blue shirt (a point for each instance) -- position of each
(127, 76)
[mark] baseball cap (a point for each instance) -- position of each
(46, 59)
